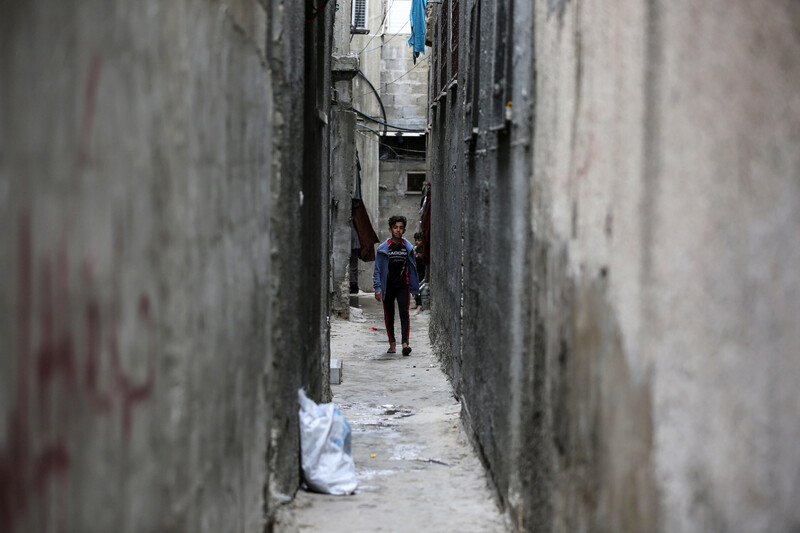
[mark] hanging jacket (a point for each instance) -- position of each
(366, 235)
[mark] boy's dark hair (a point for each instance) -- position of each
(418, 236)
(397, 218)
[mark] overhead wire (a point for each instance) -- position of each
(377, 95)
(393, 149)
(385, 16)
(386, 124)
(388, 40)
(397, 78)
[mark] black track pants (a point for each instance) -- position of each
(403, 296)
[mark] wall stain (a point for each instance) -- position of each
(36, 458)
(603, 428)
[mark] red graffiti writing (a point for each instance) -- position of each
(69, 366)
(64, 376)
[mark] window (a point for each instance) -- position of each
(359, 24)
(398, 20)
(415, 179)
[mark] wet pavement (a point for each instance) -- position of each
(416, 469)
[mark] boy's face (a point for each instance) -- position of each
(418, 242)
(397, 230)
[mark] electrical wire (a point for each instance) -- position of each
(397, 78)
(389, 40)
(386, 124)
(377, 95)
(424, 152)
(380, 30)
(379, 136)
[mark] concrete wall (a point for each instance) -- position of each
(404, 84)
(636, 220)
(404, 90)
(386, 60)
(368, 49)
(156, 240)
(395, 200)
(343, 159)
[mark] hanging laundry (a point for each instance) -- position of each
(417, 39)
(366, 234)
(364, 238)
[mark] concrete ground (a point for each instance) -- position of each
(416, 469)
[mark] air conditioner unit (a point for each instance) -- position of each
(359, 20)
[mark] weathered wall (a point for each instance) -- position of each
(387, 62)
(395, 200)
(149, 373)
(642, 318)
(343, 159)
(368, 49)
(299, 51)
(404, 84)
(404, 90)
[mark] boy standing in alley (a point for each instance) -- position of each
(395, 278)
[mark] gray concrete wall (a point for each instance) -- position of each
(638, 238)
(343, 159)
(404, 84)
(395, 200)
(404, 90)
(385, 61)
(368, 49)
(153, 248)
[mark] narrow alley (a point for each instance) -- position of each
(416, 470)
(601, 201)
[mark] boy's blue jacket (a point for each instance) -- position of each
(382, 268)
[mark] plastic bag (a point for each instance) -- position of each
(325, 448)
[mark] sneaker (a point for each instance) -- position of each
(407, 350)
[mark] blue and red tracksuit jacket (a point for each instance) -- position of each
(382, 268)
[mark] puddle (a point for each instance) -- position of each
(397, 412)
(378, 356)
(367, 475)
(407, 452)
(364, 424)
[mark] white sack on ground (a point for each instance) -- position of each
(325, 447)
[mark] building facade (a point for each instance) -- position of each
(391, 88)
(164, 191)
(615, 250)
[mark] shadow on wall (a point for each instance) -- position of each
(602, 427)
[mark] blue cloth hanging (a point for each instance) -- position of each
(417, 39)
